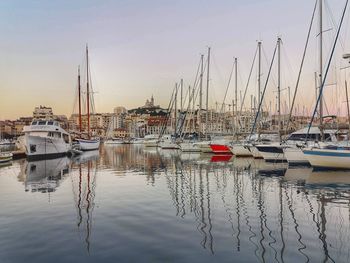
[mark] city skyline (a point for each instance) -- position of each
(143, 48)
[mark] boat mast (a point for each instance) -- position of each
(79, 95)
(207, 98)
(321, 63)
(200, 98)
(259, 83)
(87, 91)
(175, 114)
(236, 98)
(181, 91)
(279, 86)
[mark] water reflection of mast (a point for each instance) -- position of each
(296, 225)
(88, 222)
(85, 200)
(209, 213)
(281, 220)
(323, 229)
(238, 209)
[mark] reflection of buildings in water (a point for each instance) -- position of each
(84, 186)
(45, 175)
(276, 215)
(136, 159)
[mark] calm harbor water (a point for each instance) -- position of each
(129, 204)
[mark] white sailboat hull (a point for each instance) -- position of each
(204, 147)
(189, 147)
(151, 143)
(295, 156)
(241, 150)
(255, 152)
(327, 158)
(89, 145)
(271, 152)
(169, 145)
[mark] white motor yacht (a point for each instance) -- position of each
(46, 139)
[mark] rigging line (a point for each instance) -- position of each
(300, 69)
(267, 63)
(263, 94)
(167, 116)
(191, 97)
(247, 85)
(289, 65)
(227, 87)
(331, 16)
(327, 69)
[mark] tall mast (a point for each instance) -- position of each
(175, 115)
(207, 98)
(79, 95)
(200, 99)
(279, 86)
(259, 83)
(236, 97)
(181, 91)
(320, 3)
(87, 90)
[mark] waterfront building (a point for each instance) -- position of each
(42, 113)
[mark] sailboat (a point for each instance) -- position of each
(89, 143)
(111, 140)
(336, 156)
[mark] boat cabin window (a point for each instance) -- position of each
(50, 123)
(54, 134)
(65, 138)
(34, 122)
(41, 122)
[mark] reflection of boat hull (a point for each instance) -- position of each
(329, 178)
(189, 156)
(44, 175)
(86, 156)
(38, 147)
(220, 158)
(328, 158)
(88, 145)
(269, 168)
(297, 174)
(220, 149)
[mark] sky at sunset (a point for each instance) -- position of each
(139, 48)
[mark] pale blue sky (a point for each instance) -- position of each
(139, 48)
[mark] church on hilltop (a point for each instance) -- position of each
(150, 104)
